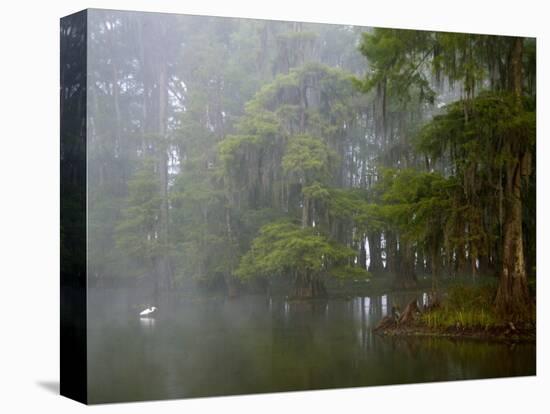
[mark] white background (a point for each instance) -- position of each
(29, 205)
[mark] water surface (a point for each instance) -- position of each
(207, 347)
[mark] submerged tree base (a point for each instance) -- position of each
(308, 288)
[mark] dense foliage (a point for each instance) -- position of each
(243, 151)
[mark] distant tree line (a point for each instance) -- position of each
(227, 152)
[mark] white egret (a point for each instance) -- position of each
(148, 311)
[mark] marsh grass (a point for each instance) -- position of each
(468, 307)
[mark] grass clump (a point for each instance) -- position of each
(465, 307)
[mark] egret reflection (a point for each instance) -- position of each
(147, 323)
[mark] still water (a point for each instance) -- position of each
(208, 347)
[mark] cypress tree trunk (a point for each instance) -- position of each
(428, 267)
(230, 282)
(446, 259)
(436, 266)
(420, 267)
(461, 264)
(375, 253)
(391, 253)
(530, 232)
(512, 294)
(308, 286)
(473, 263)
(484, 265)
(305, 212)
(165, 267)
(405, 277)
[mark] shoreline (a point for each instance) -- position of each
(502, 334)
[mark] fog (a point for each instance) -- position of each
(276, 189)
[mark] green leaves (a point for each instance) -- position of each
(316, 192)
(349, 272)
(283, 248)
(307, 159)
(474, 129)
(135, 232)
(234, 147)
(415, 203)
(398, 59)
